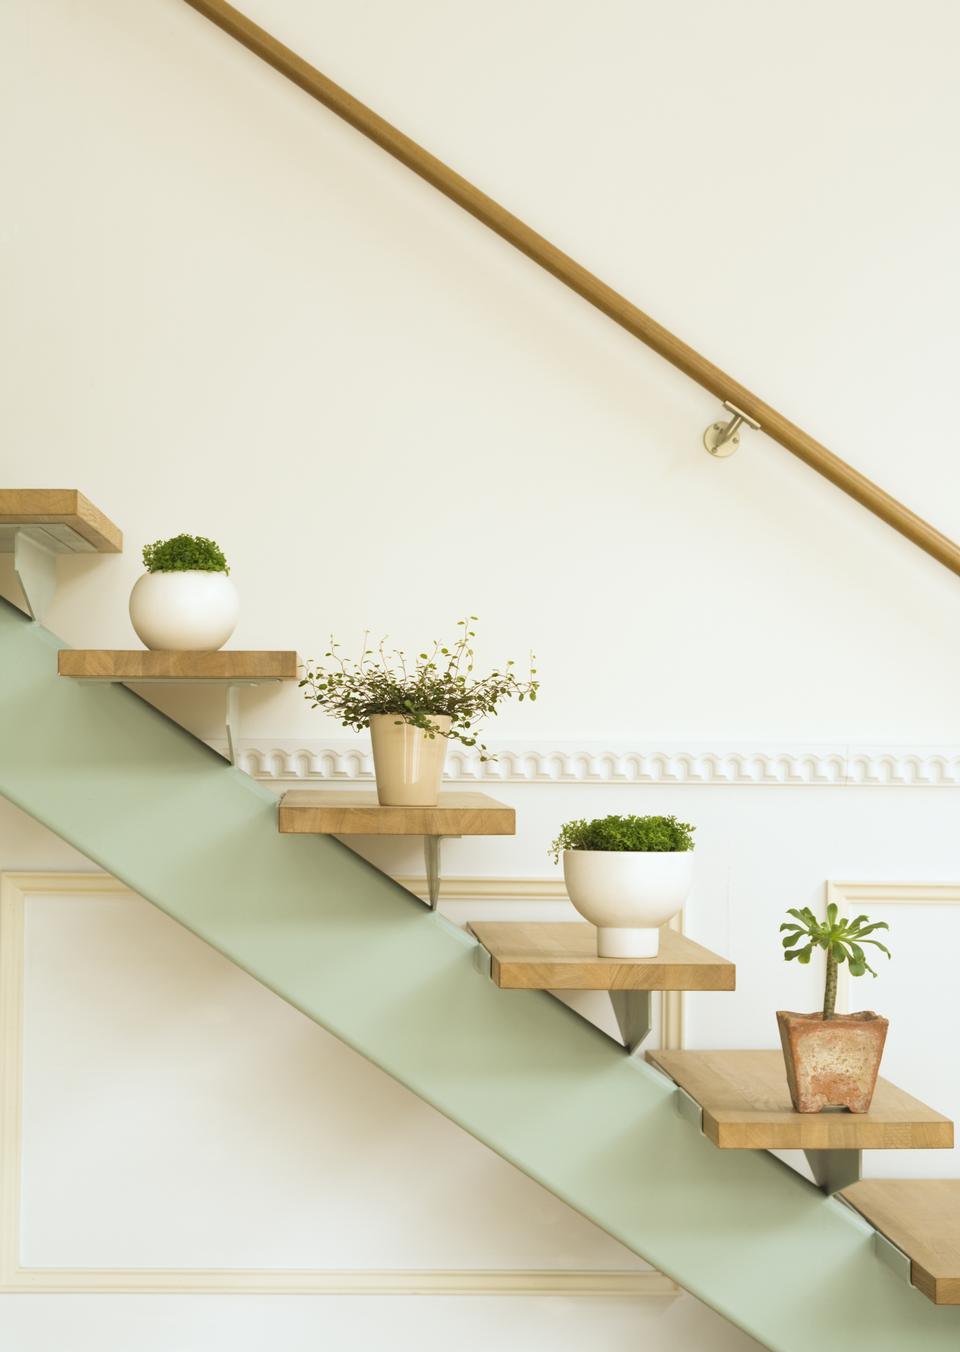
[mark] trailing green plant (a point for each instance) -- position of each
(646, 834)
(841, 940)
(436, 683)
(184, 553)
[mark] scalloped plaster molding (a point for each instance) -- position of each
(571, 763)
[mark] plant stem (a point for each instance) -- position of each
(830, 990)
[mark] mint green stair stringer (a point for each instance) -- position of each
(342, 942)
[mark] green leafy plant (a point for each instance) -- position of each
(841, 940)
(624, 833)
(437, 682)
(183, 553)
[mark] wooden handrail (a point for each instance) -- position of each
(584, 283)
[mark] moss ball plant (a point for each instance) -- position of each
(639, 834)
(184, 553)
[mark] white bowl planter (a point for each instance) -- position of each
(628, 895)
(408, 763)
(189, 611)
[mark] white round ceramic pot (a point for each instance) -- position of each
(408, 763)
(189, 611)
(628, 895)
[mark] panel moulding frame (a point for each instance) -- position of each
(15, 888)
(854, 896)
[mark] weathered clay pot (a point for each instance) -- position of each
(832, 1063)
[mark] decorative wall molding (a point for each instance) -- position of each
(15, 888)
(489, 889)
(852, 896)
(341, 762)
(353, 1282)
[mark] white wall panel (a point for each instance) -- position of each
(177, 1114)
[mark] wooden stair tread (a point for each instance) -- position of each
(922, 1217)
(746, 1106)
(529, 955)
(62, 519)
(141, 664)
(335, 812)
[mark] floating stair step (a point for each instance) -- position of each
(746, 1106)
(37, 524)
(921, 1216)
(342, 813)
(106, 664)
(333, 812)
(537, 956)
(61, 519)
(230, 668)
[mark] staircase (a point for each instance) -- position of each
(614, 1137)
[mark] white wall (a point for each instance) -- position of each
(182, 1129)
(241, 1135)
(226, 313)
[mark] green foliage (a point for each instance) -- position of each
(182, 553)
(437, 682)
(644, 834)
(840, 938)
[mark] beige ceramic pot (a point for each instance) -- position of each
(408, 763)
(832, 1063)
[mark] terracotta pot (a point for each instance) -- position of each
(832, 1063)
(408, 764)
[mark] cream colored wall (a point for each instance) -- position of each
(285, 1148)
(226, 313)
(176, 1129)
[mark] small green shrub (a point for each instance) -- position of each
(839, 938)
(642, 834)
(417, 689)
(183, 553)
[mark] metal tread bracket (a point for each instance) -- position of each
(431, 859)
(632, 1010)
(688, 1108)
(834, 1170)
(231, 713)
(481, 960)
(722, 439)
(894, 1257)
(900, 1263)
(685, 1105)
(231, 720)
(36, 567)
(55, 522)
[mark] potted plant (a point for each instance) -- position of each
(832, 1059)
(627, 876)
(185, 600)
(413, 708)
